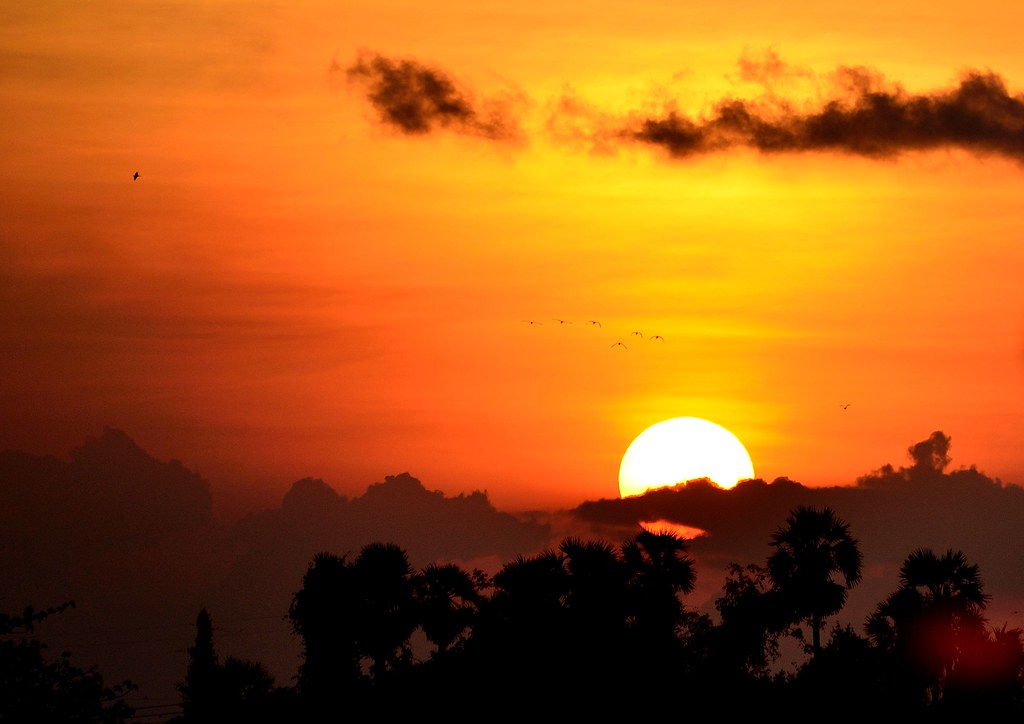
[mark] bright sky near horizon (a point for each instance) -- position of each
(298, 285)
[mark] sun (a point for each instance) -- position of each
(681, 449)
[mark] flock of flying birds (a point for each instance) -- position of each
(621, 344)
(590, 322)
(596, 323)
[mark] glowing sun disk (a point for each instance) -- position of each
(681, 449)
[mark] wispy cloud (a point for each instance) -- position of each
(861, 113)
(417, 99)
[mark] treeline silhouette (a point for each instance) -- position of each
(591, 628)
(596, 629)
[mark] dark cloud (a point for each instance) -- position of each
(979, 115)
(858, 113)
(275, 546)
(109, 493)
(892, 511)
(417, 99)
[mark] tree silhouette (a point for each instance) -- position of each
(387, 613)
(531, 589)
(448, 599)
(576, 624)
(598, 577)
(597, 615)
(660, 568)
(988, 676)
(519, 641)
(848, 672)
(660, 571)
(198, 689)
(348, 611)
(325, 614)
(581, 629)
(237, 690)
(753, 619)
(812, 549)
(36, 688)
(929, 620)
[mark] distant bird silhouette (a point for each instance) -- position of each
(845, 406)
(563, 321)
(620, 344)
(657, 336)
(638, 334)
(594, 321)
(530, 321)
(136, 176)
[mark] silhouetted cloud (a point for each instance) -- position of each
(110, 493)
(275, 546)
(859, 114)
(979, 115)
(417, 99)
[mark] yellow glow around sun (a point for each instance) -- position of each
(681, 449)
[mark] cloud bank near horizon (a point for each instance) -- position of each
(860, 113)
(246, 572)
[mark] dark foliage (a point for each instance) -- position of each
(38, 688)
(235, 690)
(589, 630)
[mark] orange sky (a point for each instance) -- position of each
(295, 288)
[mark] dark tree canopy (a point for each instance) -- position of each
(814, 562)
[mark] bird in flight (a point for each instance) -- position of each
(845, 406)
(530, 321)
(563, 321)
(638, 334)
(658, 336)
(136, 176)
(594, 321)
(620, 344)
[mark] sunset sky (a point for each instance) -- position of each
(347, 212)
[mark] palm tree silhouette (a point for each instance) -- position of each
(448, 598)
(661, 556)
(935, 611)
(531, 587)
(660, 571)
(811, 550)
(519, 639)
(597, 584)
(389, 618)
(597, 601)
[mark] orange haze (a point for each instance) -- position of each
(297, 286)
